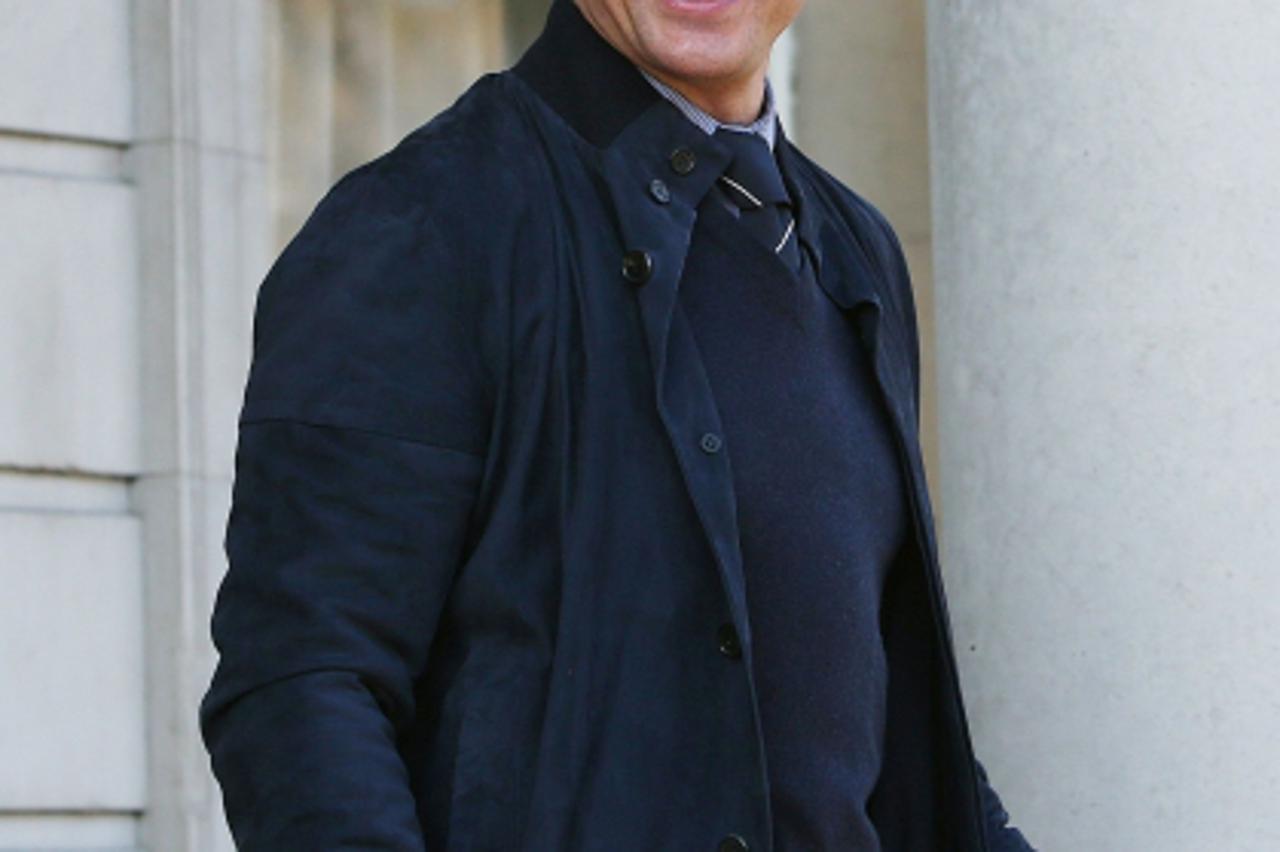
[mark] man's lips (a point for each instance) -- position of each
(698, 7)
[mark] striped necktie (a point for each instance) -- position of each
(754, 184)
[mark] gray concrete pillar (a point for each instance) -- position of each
(1107, 242)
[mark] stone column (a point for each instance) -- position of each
(363, 82)
(300, 110)
(199, 168)
(1107, 242)
(440, 50)
(350, 78)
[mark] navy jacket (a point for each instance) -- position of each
(482, 565)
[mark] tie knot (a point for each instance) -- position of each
(753, 171)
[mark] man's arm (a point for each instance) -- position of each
(342, 544)
(360, 451)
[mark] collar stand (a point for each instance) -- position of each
(606, 100)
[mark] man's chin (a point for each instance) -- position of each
(698, 58)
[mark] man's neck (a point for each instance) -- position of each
(731, 102)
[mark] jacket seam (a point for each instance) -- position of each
(364, 430)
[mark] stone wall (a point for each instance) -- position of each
(71, 627)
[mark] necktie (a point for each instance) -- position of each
(754, 183)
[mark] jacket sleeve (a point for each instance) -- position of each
(360, 449)
(1000, 835)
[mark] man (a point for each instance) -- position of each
(578, 498)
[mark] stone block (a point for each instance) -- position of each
(66, 68)
(68, 330)
(71, 661)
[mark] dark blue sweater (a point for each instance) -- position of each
(821, 514)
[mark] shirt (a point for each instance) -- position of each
(766, 125)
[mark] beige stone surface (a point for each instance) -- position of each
(300, 39)
(354, 76)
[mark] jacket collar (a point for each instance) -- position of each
(595, 89)
(607, 102)
(604, 99)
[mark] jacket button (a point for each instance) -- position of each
(683, 160)
(728, 640)
(659, 191)
(710, 442)
(637, 266)
(732, 843)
